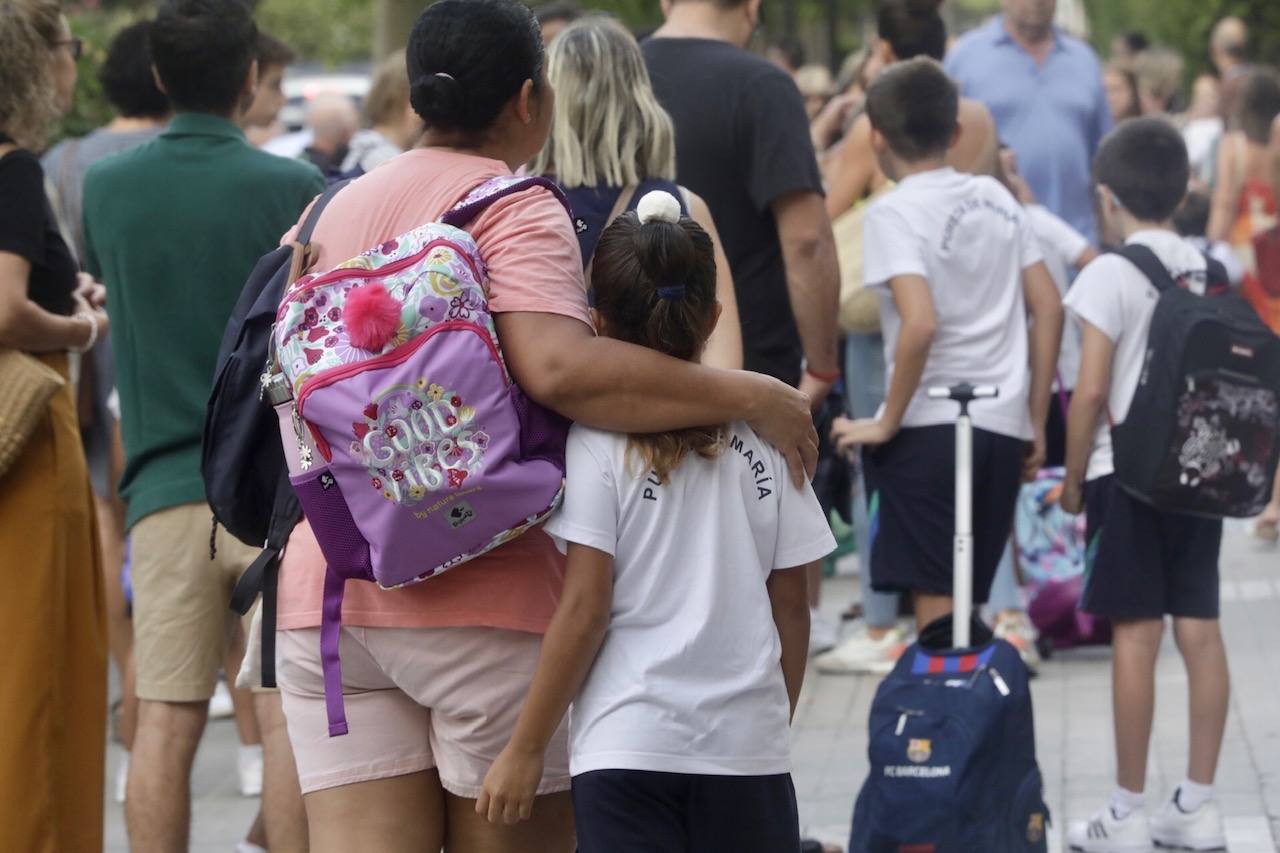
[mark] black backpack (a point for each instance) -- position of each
(246, 480)
(1203, 431)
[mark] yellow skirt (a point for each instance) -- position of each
(53, 644)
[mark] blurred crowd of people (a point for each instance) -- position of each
(122, 254)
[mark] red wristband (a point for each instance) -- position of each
(828, 378)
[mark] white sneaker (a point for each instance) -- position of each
(1015, 628)
(122, 780)
(860, 653)
(220, 706)
(1197, 830)
(822, 633)
(1105, 833)
(249, 769)
(884, 664)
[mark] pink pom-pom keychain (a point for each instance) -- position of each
(372, 317)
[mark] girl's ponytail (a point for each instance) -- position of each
(654, 278)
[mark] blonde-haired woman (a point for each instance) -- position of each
(53, 683)
(611, 143)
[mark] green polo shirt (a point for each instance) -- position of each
(173, 228)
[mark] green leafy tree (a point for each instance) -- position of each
(1184, 25)
(331, 32)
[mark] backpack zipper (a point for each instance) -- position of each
(902, 719)
(999, 681)
(396, 356)
(386, 269)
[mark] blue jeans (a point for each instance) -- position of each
(865, 389)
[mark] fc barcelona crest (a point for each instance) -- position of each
(1035, 828)
(919, 750)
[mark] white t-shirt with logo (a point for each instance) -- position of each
(689, 678)
(970, 240)
(1062, 246)
(1114, 296)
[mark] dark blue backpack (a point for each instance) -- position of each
(242, 461)
(953, 756)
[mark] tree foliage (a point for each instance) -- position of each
(330, 32)
(340, 32)
(1184, 25)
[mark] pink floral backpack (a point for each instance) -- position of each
(411, 449)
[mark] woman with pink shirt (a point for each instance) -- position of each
(434, 674)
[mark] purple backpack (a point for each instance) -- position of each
(411, 449)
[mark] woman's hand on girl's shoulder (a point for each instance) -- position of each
(784, 418)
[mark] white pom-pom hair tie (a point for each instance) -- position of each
(658, 206)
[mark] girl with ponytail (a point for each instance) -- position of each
(681, 635)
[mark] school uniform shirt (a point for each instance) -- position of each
(689, 678)
(1112, 295)
(970, 240)
(1062, 246)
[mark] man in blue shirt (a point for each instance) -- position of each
(1044, 89)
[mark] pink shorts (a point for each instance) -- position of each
(417, 699)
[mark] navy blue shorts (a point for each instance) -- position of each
(640, 811)
(911, 506)
(1143, 563)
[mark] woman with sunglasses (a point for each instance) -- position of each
(53, 681)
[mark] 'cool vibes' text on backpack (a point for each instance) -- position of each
(412, 449)
(1203, 431)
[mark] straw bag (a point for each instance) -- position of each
(859, 307)
(26, 386)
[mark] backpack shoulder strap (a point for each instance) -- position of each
(1148, 264)
(495, 189)
(313, 218)
(619, 207)
(303, 253)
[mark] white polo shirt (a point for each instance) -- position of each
(1062, 246)
(1114, 296)
(970, 240)
(689, 678)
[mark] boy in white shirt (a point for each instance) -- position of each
(1065, 251)
(1143, 563)
(682, 631)
(958, 269)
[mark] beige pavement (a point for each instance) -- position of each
(1072, 701)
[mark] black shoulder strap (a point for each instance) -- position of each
(264, 573)
(1150, 265)
(313, 218)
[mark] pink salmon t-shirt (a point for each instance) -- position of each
(535, 265)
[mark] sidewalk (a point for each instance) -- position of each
(1073, 726)
(1073, 720)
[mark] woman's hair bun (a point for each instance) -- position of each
(468, 58)
(438, 99)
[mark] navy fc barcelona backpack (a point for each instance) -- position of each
(952, 754)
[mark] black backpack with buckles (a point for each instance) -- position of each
(1203, 431)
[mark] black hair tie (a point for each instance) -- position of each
(672, 292)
